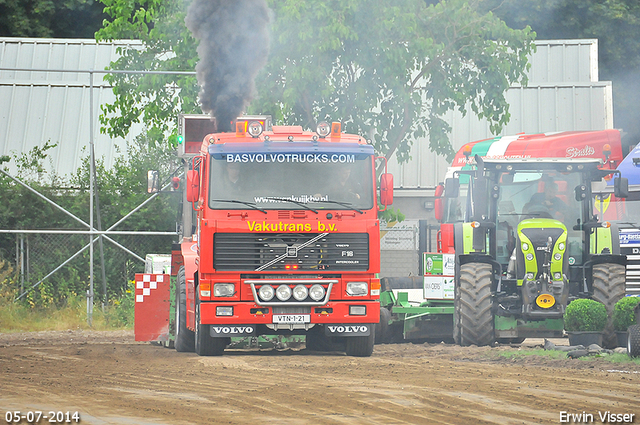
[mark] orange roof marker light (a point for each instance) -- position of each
(466, 151)
(336, 130)
(240, 128)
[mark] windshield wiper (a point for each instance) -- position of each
(275, 198)
(240, 202)
(344, 204)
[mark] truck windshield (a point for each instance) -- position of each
(292, 182)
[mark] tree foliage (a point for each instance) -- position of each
(50, 18)
(153, 99)
(389, 69)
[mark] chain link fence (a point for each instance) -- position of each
(34, 256)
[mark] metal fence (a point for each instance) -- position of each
(37, 260)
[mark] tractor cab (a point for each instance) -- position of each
(533, 223)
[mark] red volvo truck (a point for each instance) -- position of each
(280, 237)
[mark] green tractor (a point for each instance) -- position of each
(529, 244)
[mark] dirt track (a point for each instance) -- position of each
(110, 379)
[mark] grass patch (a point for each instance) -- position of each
(555, 354)
(18, 317)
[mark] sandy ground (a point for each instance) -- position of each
(108, 378)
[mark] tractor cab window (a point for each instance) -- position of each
(529, 195)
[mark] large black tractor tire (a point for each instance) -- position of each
(608, 288)
(456, 315)
(382, 328)
(360, 346)
(205, 345)
(184, 341)
(474, 305)
(633, 341)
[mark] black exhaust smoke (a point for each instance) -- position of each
(233, 46)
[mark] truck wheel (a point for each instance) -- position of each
(633, 341)
(474, 305)
(184, 337)
(205, 345)
(360, 346)
(608, 288)
(382, 328)
(316, 340)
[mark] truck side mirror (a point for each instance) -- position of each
(437, 202)
(193, 186)
(621, 187)
(451, 188)
(386, 189)
(153, 178)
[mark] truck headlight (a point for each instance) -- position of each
(357, 289)
(224, 289)
(266, 292)
(300, 292)
(283, 292)
(529, 257)
(557, 276)
(316, 292)
(557, 256)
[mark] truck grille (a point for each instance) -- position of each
(282, 252)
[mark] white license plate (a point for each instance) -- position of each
(291, 318)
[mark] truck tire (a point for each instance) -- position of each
(609, 288)
(382, 328)
(633, 341)
(360, 346)
(474, 306)
(184, 337)
(205, 345)
(316, 340)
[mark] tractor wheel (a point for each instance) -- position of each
(608, 288)
(382, 328)
(184, 337)
(456, 315)
(633, 341)
(474, 305)
(360, 346)
(205, 345)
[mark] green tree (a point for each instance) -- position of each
(616, 25)
(389, 69)
(49, 18)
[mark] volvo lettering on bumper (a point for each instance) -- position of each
(347, 330)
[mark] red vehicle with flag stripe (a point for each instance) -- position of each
(603, 144)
